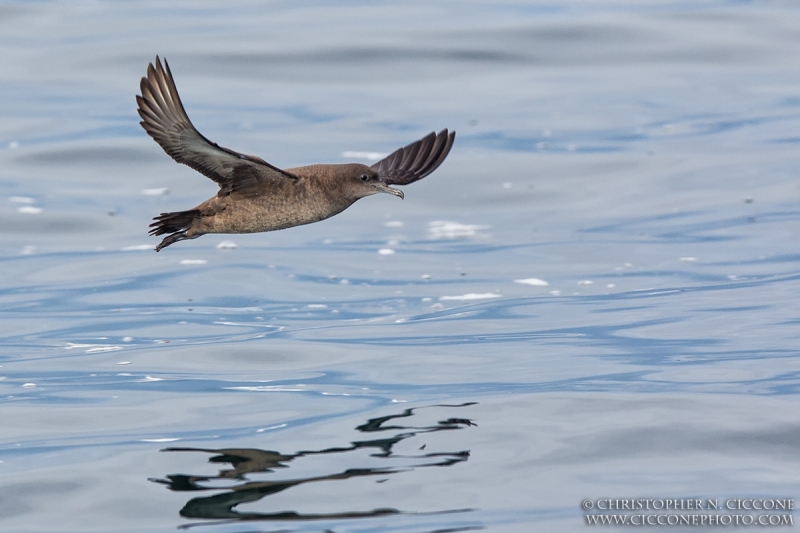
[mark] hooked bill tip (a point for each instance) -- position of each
(382, 187)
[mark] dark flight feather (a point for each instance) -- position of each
(415, 161)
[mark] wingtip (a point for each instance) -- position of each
(155, 70)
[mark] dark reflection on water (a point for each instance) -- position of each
(245, 461)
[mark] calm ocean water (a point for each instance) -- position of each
(595, 296)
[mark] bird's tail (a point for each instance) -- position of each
(175, 223)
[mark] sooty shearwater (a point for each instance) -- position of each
(255, 196)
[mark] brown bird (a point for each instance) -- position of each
(255, 196)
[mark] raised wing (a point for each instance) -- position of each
(166, 121)
(415, 161)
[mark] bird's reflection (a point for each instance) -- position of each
(238, 489)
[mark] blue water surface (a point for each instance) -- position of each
(595, 296)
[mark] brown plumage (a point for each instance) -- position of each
(255, 196)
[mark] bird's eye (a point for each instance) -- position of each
(364, 177)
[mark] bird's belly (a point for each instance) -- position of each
(255, 216)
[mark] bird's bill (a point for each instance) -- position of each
(385, 188)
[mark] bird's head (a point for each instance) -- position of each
(361, 181)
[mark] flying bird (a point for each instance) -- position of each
(255, 196)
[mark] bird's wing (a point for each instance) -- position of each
(166, 121)
(415, 161)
